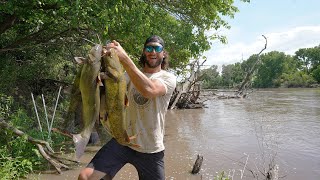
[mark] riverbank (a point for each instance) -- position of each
(174, 169)
(128, 172)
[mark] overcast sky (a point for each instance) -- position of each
(288, 25)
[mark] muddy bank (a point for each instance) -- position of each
(178, 158)
(128, 172)
(176, 167)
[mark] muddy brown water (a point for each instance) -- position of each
(281, 126)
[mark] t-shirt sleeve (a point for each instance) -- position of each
(169, 81)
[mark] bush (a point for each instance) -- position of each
(13, 162)
(19, 157)
(5, 105)
(297, 79)
(316, 74)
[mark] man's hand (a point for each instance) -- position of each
(123, 56)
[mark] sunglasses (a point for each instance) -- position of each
(158, 49)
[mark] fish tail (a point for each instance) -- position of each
(80, 145)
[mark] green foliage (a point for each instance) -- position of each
(5, 105)
(308, 58)
(210, 78)
(227, 75)
(296, 79)
(316, 74)
(13, 167)
(60, 25)
(18, 156)
(232, 75)
(39, 38)
(275, 69)
(271, 68)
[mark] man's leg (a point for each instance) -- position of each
(89, 173)
(107, 162)
(149, 166)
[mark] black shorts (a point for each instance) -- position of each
(113, 156)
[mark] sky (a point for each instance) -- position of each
(288, 25)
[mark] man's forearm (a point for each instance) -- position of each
(143, 84)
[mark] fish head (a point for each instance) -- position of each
(95, 53)
(112, 60)
(94, 56)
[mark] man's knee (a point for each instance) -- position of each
(85, 174)
(89, 173)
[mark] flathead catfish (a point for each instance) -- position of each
(115, 99)
(90, 94)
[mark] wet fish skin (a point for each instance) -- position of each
(90, 94)
(116, 102)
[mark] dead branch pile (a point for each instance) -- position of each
(186, 94)
(43, 146)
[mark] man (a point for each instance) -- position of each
(149, 93)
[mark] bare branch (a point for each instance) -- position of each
(45, 152)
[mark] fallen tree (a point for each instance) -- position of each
(244, 87)
(43, 146)
(246, 80)
(187, 92)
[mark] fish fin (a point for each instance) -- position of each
(126, 100)
(134, 145)
(80, 60)
(91, 58)
(103, 75)
(80, 143)
(132, 137)
(112, 75)
(129, 138)
(126, 136)
(99, 80)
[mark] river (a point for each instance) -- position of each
(278, 127)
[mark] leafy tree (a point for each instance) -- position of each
(271, 68)
(26, 24)
(210, 77)
(316, 74)
(39, 38)
(238, 73)
(296, 79)
(227, 75)
(308, 58)
(232, 74)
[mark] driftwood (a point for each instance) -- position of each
(187, 93)
(243, 91)
(44, 147)
(197, 165)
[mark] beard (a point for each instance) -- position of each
(156, 64)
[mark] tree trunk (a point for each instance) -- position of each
(248, 75)
(185, 96)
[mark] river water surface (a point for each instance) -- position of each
(276, 125)
(239, 136)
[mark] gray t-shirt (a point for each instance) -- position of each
(145, 118)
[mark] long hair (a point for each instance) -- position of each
(165, 60)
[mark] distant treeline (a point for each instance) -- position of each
(276, 69)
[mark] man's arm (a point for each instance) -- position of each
(149, 88)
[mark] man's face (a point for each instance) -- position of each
(154, 54)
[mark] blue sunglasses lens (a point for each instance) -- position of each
(158, 49)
